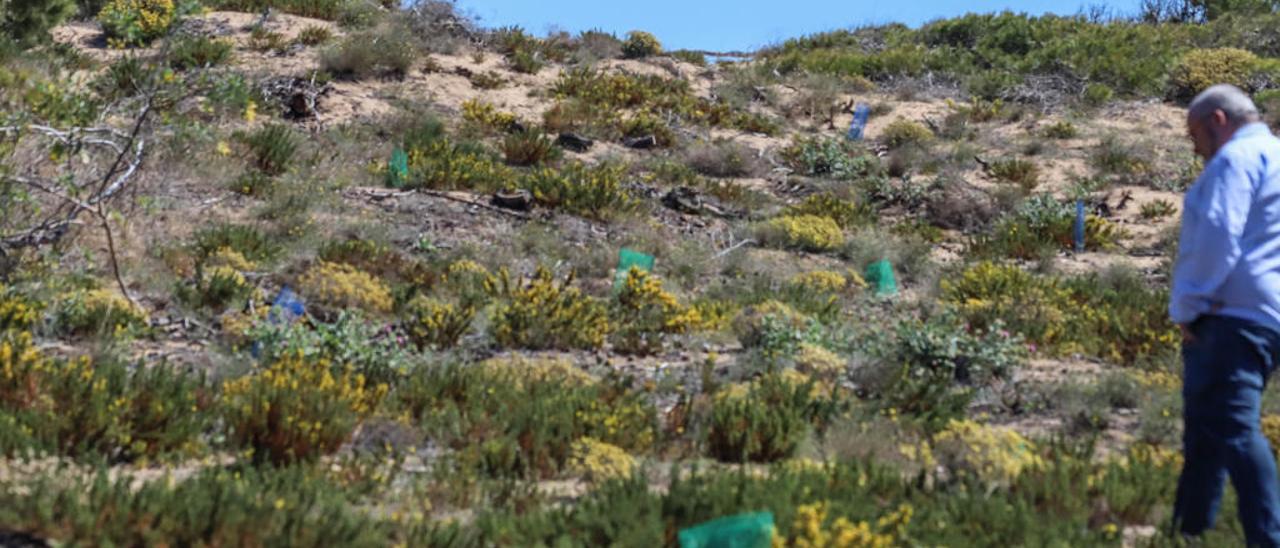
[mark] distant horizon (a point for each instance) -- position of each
(718, 25)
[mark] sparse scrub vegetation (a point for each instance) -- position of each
(640, 44)
(384, 52)
(190, 52)
(390, 310)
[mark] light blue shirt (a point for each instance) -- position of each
(1229, 252)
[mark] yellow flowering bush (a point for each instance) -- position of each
(1121, 320)
(442, 164)
(21, 367)
(487, 116)
(902, 132)
(16, 312)
(802, 232)
(219, 280)
(640, 44)
(98, 311)
(595, 192)
(519, 416)
(645, 314)
(380, 260)
(846, 213)
(136, 22)
(522, 369)
(998, 454)
(295, 410)
(108, 409)
(826, 282)
(540, 313)
(764, 421)
(819, 363)
(1270, 429)
(1201, 68)
(333, 287)
(813, 528)
(431, 323)
(596, 461)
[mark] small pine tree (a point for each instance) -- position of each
(27, 22)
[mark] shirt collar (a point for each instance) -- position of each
(1251, 129)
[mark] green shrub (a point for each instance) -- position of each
(595, 192)
(937, 364)
(646, 314)
(902, 132)
(190, 52)
(1062, 129)
(1043, 225)
(640, 44)
(215, 506)
(106, 410)
(445, 165)
(773, 327)
(1126, 160)
(1202, 68)
(802, 232)
(763, 423)
(329, 10)
(722, 158)
(248, 241)
(384, 52)
(847, 214)
(217, 283)
(522, 417)
(264, 41)
(692, 57)
(1024, 173)
(1098, 94)
(431, 323)
(295, 410)
(136, 22)
(29, 22)
(1157, 209)
(124, 78)
(528, 148)
(271, 148)
(525, 61)
(540, 313)
(98, 312)
(817, 156)
(644, 124)
(348, 344)
(314, 35)
(487, 80)
(595, 45)
(1113, 316)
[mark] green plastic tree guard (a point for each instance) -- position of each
(880, 277)
(398, 169)
(628, 258)
(741, 531)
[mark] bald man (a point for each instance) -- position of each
(1226, 301)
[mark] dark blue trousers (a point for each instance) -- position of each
(1225, 371)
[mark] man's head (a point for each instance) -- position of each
(1215, 115)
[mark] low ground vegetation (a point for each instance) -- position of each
(355, 326)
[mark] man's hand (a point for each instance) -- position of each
(1187, 336)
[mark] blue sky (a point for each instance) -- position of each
(742, 24)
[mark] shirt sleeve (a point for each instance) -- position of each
(1213, 219)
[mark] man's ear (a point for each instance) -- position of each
(1219, 118)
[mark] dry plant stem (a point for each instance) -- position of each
(128, 158)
